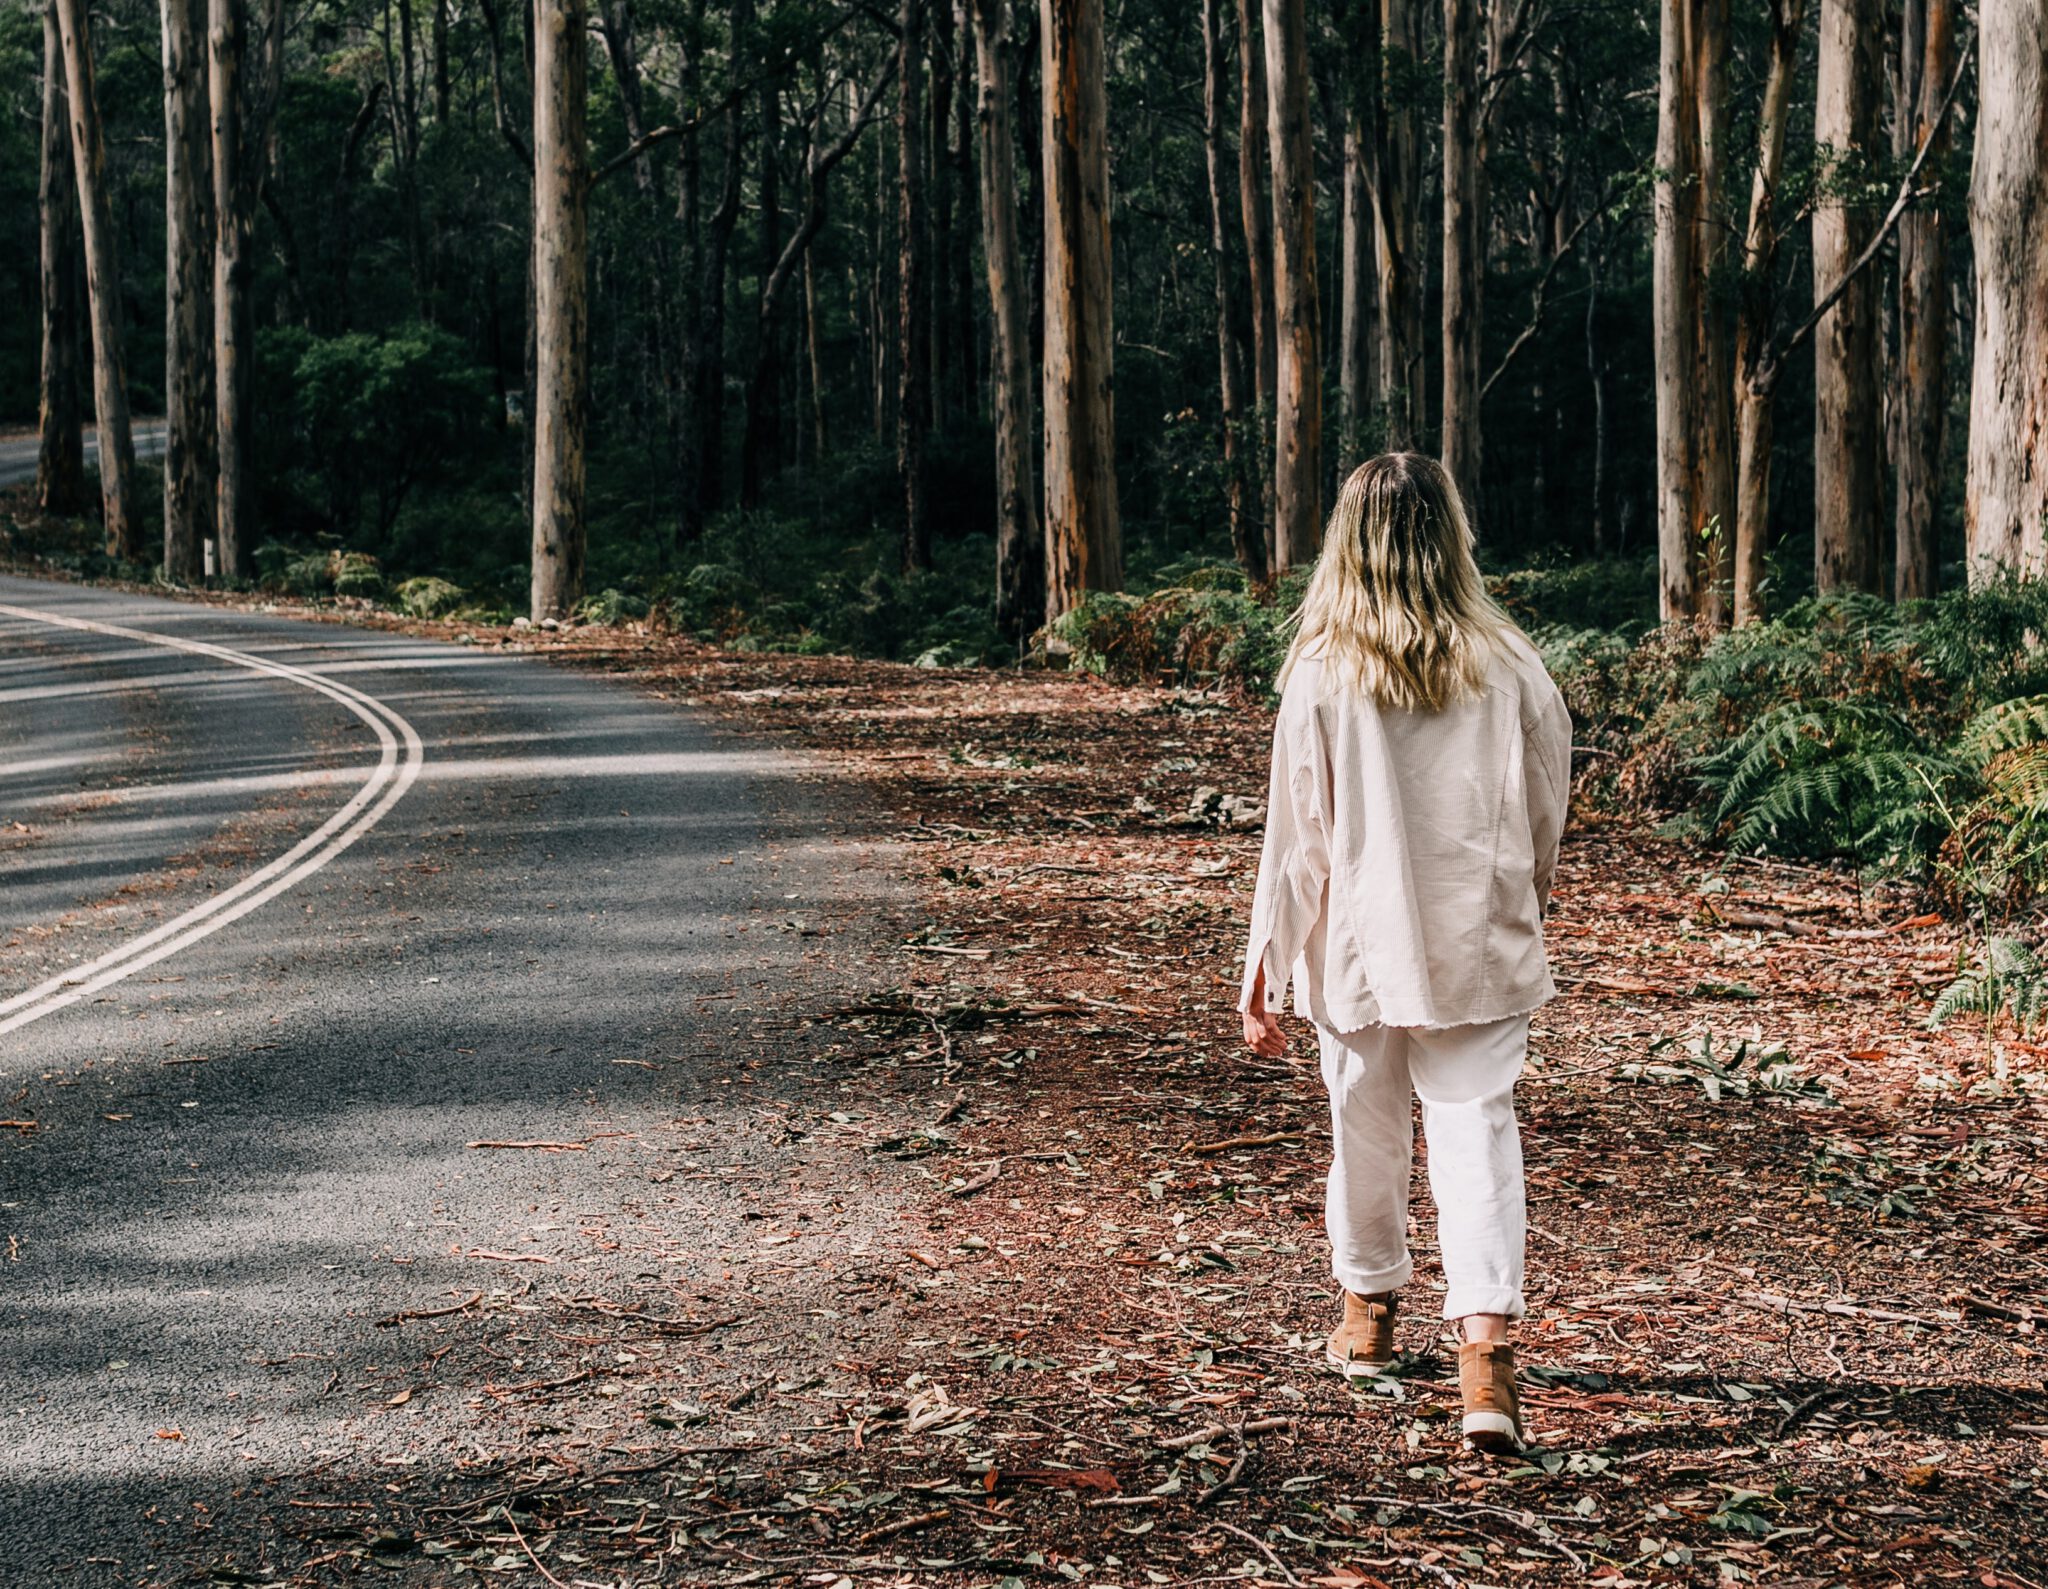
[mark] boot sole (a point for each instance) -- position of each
(1356, 1367)
(1493, 1433)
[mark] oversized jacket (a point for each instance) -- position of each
(1408, 854)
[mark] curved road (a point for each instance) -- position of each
(495, 901)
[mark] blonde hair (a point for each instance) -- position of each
(1396, 606)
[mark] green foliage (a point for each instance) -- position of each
(354, 424)
(2008, 979)
(1205, 626)
(610, 607)
(427, 597)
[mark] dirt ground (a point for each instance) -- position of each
(1787, 1257)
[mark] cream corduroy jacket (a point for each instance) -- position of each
(1408, 855)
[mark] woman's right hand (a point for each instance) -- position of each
(1262, 1032)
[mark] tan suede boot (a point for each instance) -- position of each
(1493, 1412)
(1364, 1343)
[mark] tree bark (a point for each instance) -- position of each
(1695, 485)
(1357, 340)
(1083, 532)
(1464, 270)
(1926, 56)
(1756, 303)
(819, 162)
(561, 185)
(913, 328)
(2006, 509)
(1298, 373)
(103, 288)
(1020, 539)
(1253, 169)
(1247, 539)
(242, 85)
(188, 302)
(60, 455)
(1397, 227)
(1848, 439)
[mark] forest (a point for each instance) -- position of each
(637, 648)
(903, 329)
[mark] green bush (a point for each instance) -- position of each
(427, 597)
(357, 574)
(610, 607)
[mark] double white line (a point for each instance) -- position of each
(398, 764)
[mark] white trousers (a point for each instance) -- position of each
(1465, 1076)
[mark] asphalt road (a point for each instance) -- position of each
(18, 450)
(285, 925)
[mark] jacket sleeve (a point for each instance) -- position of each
(1547, 767)
(1294, 866)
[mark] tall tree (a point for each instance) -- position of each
(1020, 540)
(1464, 151)
(1253, 169)
(820, 159)
(1695, 486)
(1755, 311)
(2006, 508)
(1397, 190)
(102, 286)
(1298, 374)
(913, 327)
(1927, 39)
(561, 187)
(1357, 342)
(188, 301)
(1246, 536)
(245, 65)
(60, 456)
(1083, 531)
(1848, 439)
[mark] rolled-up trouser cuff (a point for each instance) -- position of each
(1374, 1282)
(1463, 1302)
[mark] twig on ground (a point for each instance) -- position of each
(431, 1313)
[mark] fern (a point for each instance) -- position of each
(2008, 978)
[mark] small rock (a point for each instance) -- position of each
(522, 623)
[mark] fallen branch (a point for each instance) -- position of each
(1272, 1140)
(538, 1147)
(902, 1526)
(431, 1313)
(1216, 1431)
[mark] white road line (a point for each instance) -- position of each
(398, 764)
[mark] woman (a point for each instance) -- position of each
(1421, 763)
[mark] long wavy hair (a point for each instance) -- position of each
(1396, 606)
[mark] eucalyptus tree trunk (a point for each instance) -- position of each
(2006, 509)
(1253, 169)
(242, 84)
(561, 308)
(1927, 41)
(1695, 485)
(1356, 342)
(60, 455)
(1464, 271)
(188, 300)
(103, 288)
(913, 326)
(1298, 373)
(1848, 437)
(1397, 225)
(1246, 536)
(1756, 301)
(1020, 540)
(1083, 532)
